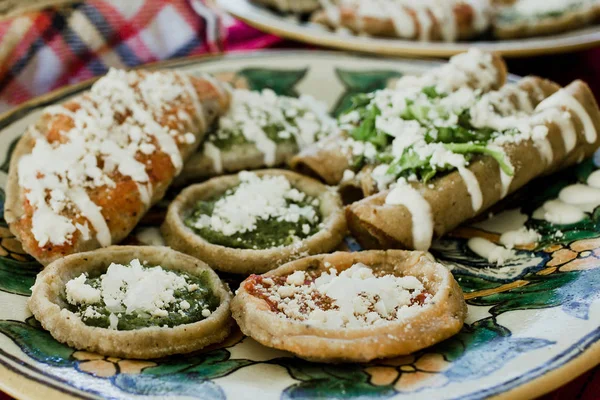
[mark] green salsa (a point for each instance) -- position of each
(225, 139)
(202, 302)
(267, 233)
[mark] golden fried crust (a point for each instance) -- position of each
(325, 160)
(379, 225)
(122, 205)
(438, 320)
(48, 306)
(246, 261)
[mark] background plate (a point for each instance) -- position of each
(289, 27)
(533, 324)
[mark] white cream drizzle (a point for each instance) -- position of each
(557, 212)
(145, 191)
(519, 237)
(510, 224)
(472, 187)
(93, 213)
(490, 251)
(573, 202)
(563, 121)
(594, 179)
(506, 181)
(214, 153)
(194, 95)
(564, 98)
(545, 149)
(420, 210)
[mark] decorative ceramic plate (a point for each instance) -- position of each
(290, 27)
(533, 324)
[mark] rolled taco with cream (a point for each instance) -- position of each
(424, 20)
(261, 129)
(434, 186)
(84, 175)
(337, 158)
(503, 108)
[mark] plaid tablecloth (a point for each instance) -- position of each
(45, 49)
(42, 50)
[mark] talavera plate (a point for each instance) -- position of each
(291, 27)
(533, 324)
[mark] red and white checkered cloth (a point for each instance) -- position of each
(52, 47)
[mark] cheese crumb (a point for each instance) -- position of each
(297, 278)
(113, 321)
(256, 198)
(79, 292)
(353, 298)
(184, 305)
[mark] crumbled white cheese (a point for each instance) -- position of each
(130, 289)
(348, 175)
(356, 297)
(463, 70)
(79, 292)
(296, 278)
(305, 229)
(184, 305)
(113, 321)
(256, 198)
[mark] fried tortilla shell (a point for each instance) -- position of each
(379, 225)
(438, 320)
(48, 305)
(246, 261)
